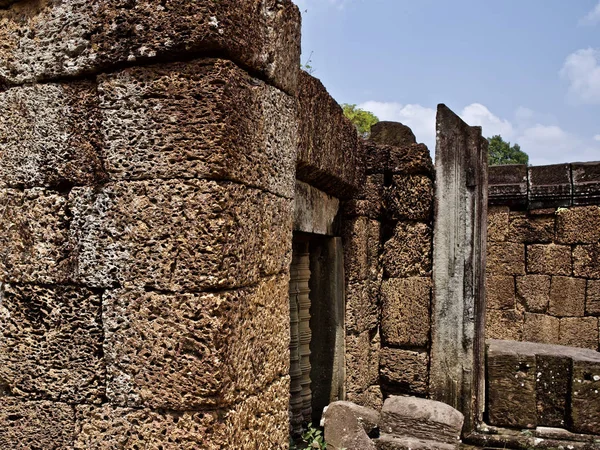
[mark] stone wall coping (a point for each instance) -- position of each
(497, 347)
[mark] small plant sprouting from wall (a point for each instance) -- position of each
(312, 439)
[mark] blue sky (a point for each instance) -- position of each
(526, 69)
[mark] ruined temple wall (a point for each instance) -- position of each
(543, 269)
(147, 176)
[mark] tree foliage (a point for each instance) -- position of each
(363, 120)
(501, 152)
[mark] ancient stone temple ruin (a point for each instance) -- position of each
(199, 252)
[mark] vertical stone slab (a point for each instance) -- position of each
(460, 223)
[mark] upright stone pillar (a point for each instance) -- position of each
(457, 353)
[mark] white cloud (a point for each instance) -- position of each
(593, 17)
(477, 114)
(582, 70)
(597, 137)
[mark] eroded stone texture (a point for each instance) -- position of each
(362, 361)
(410, 197)
(579, 332)
(408, 253)
(586, 261)
(371, 398)
(526, 228)
(504, 324)
(34, 237)
(567, 297)
(553, 383)
(392, 133)
(260, 419)
(202, 119)
(578, 225)
(343, 428)
(329, 157)
(504, 258)
(49, 136)
(533, 292)
(592, 300)
(497, 224)
(361, 237)
(36, 425)
(51, 343)
(368, 202)
(549, 259)
(585, 395)
(405, 317)
(180, 235)
(186, 351)
(362, 306)
(541, 328)
(404, 371)
(500, 292)
(45, 40)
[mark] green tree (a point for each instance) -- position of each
(363, 120)
(501, 152)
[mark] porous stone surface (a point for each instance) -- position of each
(51, 343)
(179, 234)
(404, 371)
(504, 324)
(497, 223)
(408, 253)
(201, 119)
(259, 419)
(592, 300)
(500, 292)
(36, 425)
(409, 443)
(527, 228)
(372, 397)
(578, 225)
(392, 133)
(34, 236)
(553, 383)
(541, 328)
(329, 157)
(533, 292)
(46, 40)
(187, 351)
(362, 306)
(361, 237)
(410, 197)
(411, 159)
(585, 395)
(49, 136)
(567, 297)
(362, 361)
(343, 428)
(504, 258)
(549, 259)
(579, 332)
(369, 200)
(405, 317)
(586, 261)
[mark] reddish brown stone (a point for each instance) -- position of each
(500, 292)
(578, 225)
(533, 292)
(368, 201)
(410, 197)
(504, 325)
(586, 261)
(362, 361)
(404, 371)
(579, 332)
(392, 133)
(541, 328)
(362, 306)
(361, 249)
(585, 395)
(567, 297)
(504, 258)
(549, 259)
(530, 229)
(497, 228)
(592, 300)
(408, 252)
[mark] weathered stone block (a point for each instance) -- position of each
(51, 343)
(36, 425)
(314, 211)
(369, 200)
(497, 225)
(362, 306)
(362, 361)
(508, 185)
(549, 259)
(592, 300)
(553, 384)
(343, 428)
(361, 237)
(387, 442)
(500, 292)
(586, 261)
(55, 40)
(541, 328)
(409, 252)
(405, 305)
(586, 183)
(550, 186)
(578, 225)
(530, 229)
(371, 398)
(262, 418)
(533, 292)
(511, 382)
(579, 332)
(585, 395)
(411, 159)
(49, 136)
(394, 134)
(504, 258)
(504, 325)
(179, 235)
(186, 351)
(567, 297)
(404, 371)
(202, 119)
(34, 237)
(410, 197)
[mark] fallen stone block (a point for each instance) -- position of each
(347, 426)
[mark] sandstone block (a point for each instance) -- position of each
(404, 371)
(368, 418)
(362, 361)
(410, 197)
(392, 133)
(585, 395)
(36, 425)
(592, 300)
(500, 292)
(409, 252)
(405, 317)
(314, 211)
(511, 378)
(262, 418)
(187, 351)
(34, 237)
(497, 226)
(567, 297)
(504, 325)
(553, 384)
(343, 428)
(505, 259)
(386, 442)
(549, 259)
(541, 328)
(362, 306)
(578, 225)
(202, 119)
(55, 40)
(179, 235)
(586, 261)
(579, 332)
(533, 292)
(51, 343)
(361, 237)
(530, 229)
(50, 136)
